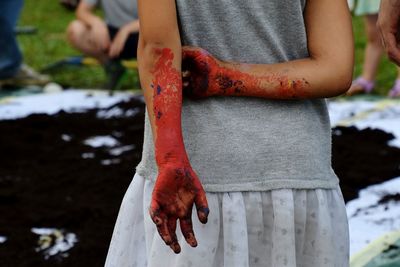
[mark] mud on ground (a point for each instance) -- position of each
(50, 178)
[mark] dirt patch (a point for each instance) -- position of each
(50, 178)
(389, 198)
(45, 181)
(363, 158)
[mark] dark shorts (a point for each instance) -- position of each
(130, 48)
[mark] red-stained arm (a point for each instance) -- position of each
(326, 72)
(177, 186)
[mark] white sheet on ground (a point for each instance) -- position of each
(369, 220)
(69, 101)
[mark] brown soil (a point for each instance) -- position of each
(389, 198)
(362, 158)
(45, 182)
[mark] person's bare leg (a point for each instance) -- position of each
(82, 38)
(395, 91)
(373, 54)
(374, 49)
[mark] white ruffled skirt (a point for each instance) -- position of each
(279, 228)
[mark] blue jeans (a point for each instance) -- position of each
(10, 54)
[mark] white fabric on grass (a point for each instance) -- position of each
(245, 229)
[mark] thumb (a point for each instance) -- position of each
(202, 207)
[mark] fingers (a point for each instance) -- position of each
(185, 84)
(155, 211)
(166, 227)
(161, 221)
(185, 78)
(172, 231)
(187, 230)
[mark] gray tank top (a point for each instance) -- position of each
(117, 12)
(244, 143)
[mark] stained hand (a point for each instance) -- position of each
(200, 73)
(176, 190)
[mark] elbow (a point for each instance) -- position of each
(150, 52)
(150, 49)
(343, 66)
(339, 75)
(343, 80)
(152, 42)
(153, 46)
(334, 66)
(346, 82)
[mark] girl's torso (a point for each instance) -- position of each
(243, 143)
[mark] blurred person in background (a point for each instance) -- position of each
(13, 73)
(108, 40)
(373, 52)
(388, 24)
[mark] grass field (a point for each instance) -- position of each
(50, 45)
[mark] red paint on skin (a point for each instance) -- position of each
(167, 105)
(177, 186)
(234, 81)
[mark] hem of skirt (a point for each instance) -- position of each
(266, 185)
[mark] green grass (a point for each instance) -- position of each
(50, 45)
